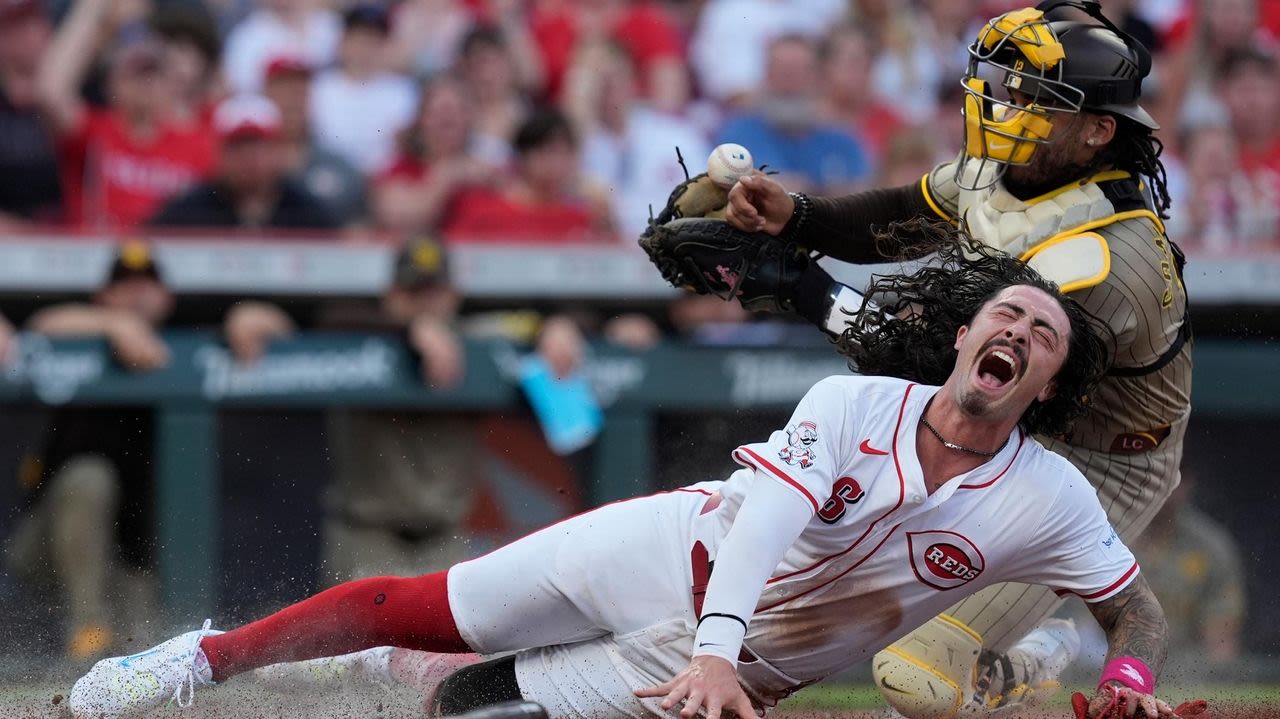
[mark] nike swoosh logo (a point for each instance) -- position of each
(125, 661)
(710, 644)
(885, 683)
(866, 448)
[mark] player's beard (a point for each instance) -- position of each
(1043, 174)
(973, 404)
(1049, 168)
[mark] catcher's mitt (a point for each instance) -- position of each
(697, 196)
(712, 257)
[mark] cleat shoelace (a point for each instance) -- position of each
(189, 680)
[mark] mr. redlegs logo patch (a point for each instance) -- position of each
(944, 560)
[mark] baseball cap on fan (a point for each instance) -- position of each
(282, 65)
(138, 49)
(367, 16)
(133, 259)
(246, 117)
(421, 263)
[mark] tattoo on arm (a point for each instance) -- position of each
(1135, 625)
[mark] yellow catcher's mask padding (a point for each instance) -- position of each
(1029, 33)
(1010, 139)
(929, 673)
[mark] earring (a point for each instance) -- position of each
(1091, 142)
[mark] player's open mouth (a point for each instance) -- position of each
(997, 368)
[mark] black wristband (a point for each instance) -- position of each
(799, 216)
(813, 297)
(735, 618)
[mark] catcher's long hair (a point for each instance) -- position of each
(1136, 150)
(915, 338)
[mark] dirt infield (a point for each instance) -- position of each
(244, 700)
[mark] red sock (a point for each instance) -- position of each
(381, 611)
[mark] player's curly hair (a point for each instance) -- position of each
(927, 307)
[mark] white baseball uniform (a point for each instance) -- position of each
(860, 554)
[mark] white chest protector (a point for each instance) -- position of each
(1052, 232)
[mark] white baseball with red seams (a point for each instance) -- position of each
(877, 558)
(727, 163)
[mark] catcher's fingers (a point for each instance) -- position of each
(741, 212)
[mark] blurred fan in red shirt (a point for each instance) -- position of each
(544, 202)
(118, 163)
(643, 27)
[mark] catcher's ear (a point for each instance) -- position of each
(960, 335)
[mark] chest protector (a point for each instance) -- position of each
(1053, 233)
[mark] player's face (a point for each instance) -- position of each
(1065, 157)
(140, 295)
(1010, 353)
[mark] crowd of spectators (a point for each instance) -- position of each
(452, 116)
(481, 121)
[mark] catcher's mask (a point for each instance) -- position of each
(1055, 67)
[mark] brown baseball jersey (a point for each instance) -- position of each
(1137, 290)
(1101, 242)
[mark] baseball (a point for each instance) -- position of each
(727, 163)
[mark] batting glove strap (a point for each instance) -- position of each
(1132, 672)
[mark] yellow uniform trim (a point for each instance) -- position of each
(1100, 177)
(930, 670)
(961, 626)
(1063, 237)
(924, 188)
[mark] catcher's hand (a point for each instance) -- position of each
(711, 257)
(1116, 702)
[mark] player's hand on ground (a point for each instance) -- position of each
(708, 681)
(136, 343)
(1113, 701)
(443, 361)
(758, 203)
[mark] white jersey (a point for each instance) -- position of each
(880, 555)
(609, 601)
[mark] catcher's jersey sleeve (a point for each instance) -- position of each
(1078, 551)
(807, 455)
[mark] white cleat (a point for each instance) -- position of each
(122, 687)
(1056, 644)
(370, 666)
(1042, 656)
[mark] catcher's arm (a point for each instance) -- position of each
(839, 227)
(1137, 643)
(697, 245)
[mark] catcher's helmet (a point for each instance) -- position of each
(1055, 66)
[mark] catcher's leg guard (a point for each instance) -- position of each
(929, 673)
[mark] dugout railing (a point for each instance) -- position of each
(1233, 379)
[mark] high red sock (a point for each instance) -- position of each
(381, 611)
